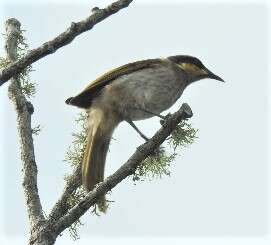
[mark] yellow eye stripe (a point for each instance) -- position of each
(191, 68)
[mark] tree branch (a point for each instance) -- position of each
(61, 207)
(24, 109)
(62, 39)
(125, 170)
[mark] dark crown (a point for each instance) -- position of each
(186, 59)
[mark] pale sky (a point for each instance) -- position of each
(218, 187)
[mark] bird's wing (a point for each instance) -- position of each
(84, 99)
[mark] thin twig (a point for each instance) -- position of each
(62, 39)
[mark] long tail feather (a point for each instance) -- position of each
(101, 127)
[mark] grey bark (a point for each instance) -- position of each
(62, 39)
(24, 109)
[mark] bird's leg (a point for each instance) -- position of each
(136, 129)
(150, 112)
(162, 121)
(157, 151)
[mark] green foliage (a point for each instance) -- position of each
(158, 164)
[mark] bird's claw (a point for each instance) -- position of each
(162, 121)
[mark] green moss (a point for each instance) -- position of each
(28, 87)
(158, 164)
(75, 152)
(183, 136)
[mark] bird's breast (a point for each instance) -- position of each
(152, 89)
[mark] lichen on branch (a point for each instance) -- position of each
(27, 86)
(158, 164)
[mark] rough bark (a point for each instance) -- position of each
(62, 39)
(24, 110)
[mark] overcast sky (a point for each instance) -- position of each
(218, 186)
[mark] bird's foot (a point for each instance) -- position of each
(162, 121)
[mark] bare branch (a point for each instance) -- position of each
(125, 170)
(24, 109)
(62, 39)
(61, 207)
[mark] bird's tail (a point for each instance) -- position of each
(101, 125)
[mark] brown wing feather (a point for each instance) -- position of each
(84, 99)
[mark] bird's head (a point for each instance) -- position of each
(193, 68)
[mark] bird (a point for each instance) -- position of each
(134, 91)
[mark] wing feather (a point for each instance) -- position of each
(84, 99)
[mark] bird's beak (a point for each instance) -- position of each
(213, 76)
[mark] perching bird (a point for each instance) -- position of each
(134, 91)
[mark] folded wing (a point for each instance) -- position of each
(84, 99)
